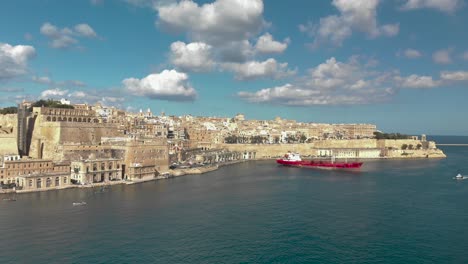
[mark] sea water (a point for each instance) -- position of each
(390, 211)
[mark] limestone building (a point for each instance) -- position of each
(32, 174)
(96, 170)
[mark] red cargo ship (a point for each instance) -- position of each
(294, 159)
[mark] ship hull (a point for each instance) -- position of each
(320, 164)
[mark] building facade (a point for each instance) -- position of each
(96, 171)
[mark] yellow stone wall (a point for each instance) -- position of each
(8, 134)
(278, 150)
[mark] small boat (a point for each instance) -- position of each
(294, 159)
(460, 177)
(79, 203)
(9, 199)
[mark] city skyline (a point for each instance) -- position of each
(401, 65)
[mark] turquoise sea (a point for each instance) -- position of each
(392, 211)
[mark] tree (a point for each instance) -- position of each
(51, 103)
(232, 139)
(303, 138)
(404, 146)
(256, 140)
(380, 135)
(9, 110)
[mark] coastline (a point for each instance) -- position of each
(167, 175)
(214, 167)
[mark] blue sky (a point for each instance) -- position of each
(400, 64)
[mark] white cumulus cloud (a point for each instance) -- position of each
(447, 6)
(454, 76)
(169, 85)
(61, 38)
(85, 30)
(194, 56)
(226, 25)
(417, 81)
(330, 83)
(252, 70)
(220, 21)
(53, 93)
(266, 44)
(356, 15)
(14, 60)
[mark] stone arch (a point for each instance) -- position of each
(80, 120)
(69, 119)
(39, 183)
(96, 121)
(54, 119)
(48, 119)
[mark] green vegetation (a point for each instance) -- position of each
(51, 103)
(231, 139)
(380, 135)
(245, 140)
(9, 110)
(257, 140)
(302, 138)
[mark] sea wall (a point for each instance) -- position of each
(264, 151)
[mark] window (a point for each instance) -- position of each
(30, 183)
(57, 181)
(64, 179)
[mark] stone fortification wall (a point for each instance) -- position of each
(351, 143)
(8, 124)
(87, 133)
(8, 144)
(78, 152)
(396, 144)
(8, 134)
(48, 136)
(278, 150)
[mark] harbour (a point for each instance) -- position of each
(253, 211)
